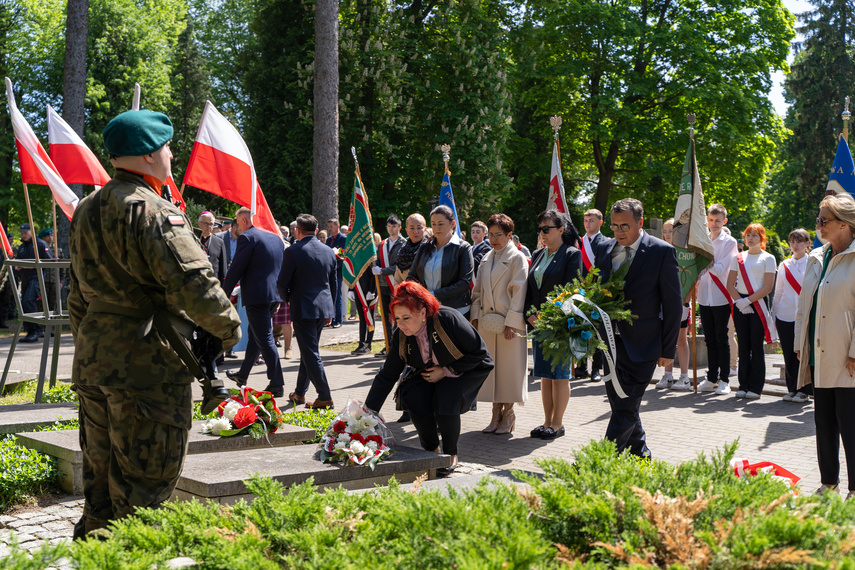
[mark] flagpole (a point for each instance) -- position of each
(846, 116)
(367, 306)
(135, 103)
(446, 156)
(55, 240)
(691, 119)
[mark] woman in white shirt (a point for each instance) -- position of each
(788, 285)
(751, 317)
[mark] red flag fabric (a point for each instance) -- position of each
(177, 198)
(72, 158)
(7, 247)
(556, 200)
(221, 164)
(36, 165)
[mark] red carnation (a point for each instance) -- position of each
(339, 426)
(357, 437)
(245, 417)
(375, 438)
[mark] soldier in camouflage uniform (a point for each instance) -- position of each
(134, 390)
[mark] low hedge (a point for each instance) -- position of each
(603, 511)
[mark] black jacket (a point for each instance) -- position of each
(456, 345)
(457, 273)
(25, 251)
(564, 267)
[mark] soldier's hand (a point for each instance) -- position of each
(231, 341)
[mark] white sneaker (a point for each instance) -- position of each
(666, 381)
(740, 394)
(682, 385)
(789, 397)
(800, 398)
(706, 386)
(752, 396)
(734, 371)
(723, 389)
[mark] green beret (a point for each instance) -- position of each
(136, 133)
(45, 232)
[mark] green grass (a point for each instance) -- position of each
(25, 393)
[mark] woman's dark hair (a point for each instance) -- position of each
(445, 211)
(556, 218)
(503, 221)
(414, 297)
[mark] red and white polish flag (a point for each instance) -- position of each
(7, 247)
(221, 164)
(556, 200)
(72, 158)
(36, 165)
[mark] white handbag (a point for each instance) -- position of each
(492, 323)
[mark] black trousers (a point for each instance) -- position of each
(308, 335)
(787, 336)
(715, 320)
(365, 336)
(597, 363)
(420, 399)
(834, 421)
(260, 320)
(752, 358)
(625, 424)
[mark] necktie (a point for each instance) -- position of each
(627, 250)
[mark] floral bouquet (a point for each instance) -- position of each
(246, 411)
(339, 253)
(356, 436)
(572, 314)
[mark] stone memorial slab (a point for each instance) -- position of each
(64, 446)
(222, 478)
(27, 417)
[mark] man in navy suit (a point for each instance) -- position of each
(308, 282)
(652, 290)
(213, 246)
(337, 239)
(256, 264)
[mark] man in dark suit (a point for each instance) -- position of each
(213, 246)
(593, 220)
(256, 264)
(311, 295)
(337, 239)
(652, 290)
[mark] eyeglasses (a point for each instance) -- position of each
(820, 221)
(496, 236)
(545, 229)
(621, 227)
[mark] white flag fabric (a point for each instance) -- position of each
(556, 200)
(72, 158)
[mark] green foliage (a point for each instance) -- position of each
(61, 425)
(61, 392)
(198, 415)
(23, 472)
(318, 420)
(46, 556)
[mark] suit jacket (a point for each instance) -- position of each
(456, 345)
(256, 264)
(227, 248)
(456, 272)
(653, 292)
(217, 257)
(308, 279)
(564, 268)
(478, 253)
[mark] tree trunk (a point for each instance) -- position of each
(325, 155)
(606, 171)
(7, 144)
(74, 88)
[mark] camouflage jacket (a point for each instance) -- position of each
(152, 241)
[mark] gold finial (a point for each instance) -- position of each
(446, 153)
(691, 118)
(555, 121)
(846, 116)
(353, 152)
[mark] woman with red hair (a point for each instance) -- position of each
(444, 362)
(751, 279)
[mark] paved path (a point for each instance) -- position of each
(679, 426)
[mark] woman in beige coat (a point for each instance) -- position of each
(825, 338)
(497, 312)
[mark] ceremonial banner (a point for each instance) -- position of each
(446, 198)
(221, 164)
(690, 237)
(7, 247)
(36, 165)
(72, 158)
(360, 251)
(842, 177)
(174, 195)
(556, 200)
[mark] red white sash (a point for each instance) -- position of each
(759, 305)
(587, 253)
(723, 290)
(384, 261)
(797, 287)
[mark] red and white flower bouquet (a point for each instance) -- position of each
(247, 411)
(357, 436)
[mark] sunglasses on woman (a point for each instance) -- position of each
(545, 229)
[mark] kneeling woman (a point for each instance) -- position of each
(448, 362)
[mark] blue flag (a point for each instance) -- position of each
(842, 177)
(446, 198)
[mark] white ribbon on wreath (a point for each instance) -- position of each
(611, 355)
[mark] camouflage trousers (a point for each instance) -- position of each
(133, 445)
